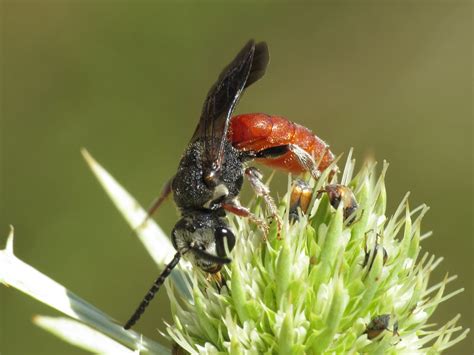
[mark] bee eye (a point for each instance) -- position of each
(222, 236)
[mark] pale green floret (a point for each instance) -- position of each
(314, 291)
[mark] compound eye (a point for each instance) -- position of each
(222, 236)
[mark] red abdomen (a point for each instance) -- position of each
(258, 131)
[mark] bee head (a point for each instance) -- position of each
(202, 238)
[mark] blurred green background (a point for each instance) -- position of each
(126, 79)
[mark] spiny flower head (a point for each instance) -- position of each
(328, 285)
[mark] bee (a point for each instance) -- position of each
(211, 171)
(340, 193)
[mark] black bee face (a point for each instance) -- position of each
(202, 237)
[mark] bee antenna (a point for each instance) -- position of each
(212, 258)
(153, 290)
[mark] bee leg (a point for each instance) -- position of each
(306, 160)
(165, 192)
(255, 178)
(234, 207)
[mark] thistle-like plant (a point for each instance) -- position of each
(326, 286)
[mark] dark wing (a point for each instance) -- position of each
(248, 66)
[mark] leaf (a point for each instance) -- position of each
(81, 335)
(16, 273)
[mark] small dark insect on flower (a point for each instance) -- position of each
(300, 198)
(340, 193)
(369, 256)
(212, 169)
(378, 324)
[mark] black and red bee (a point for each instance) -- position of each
(212, 169)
